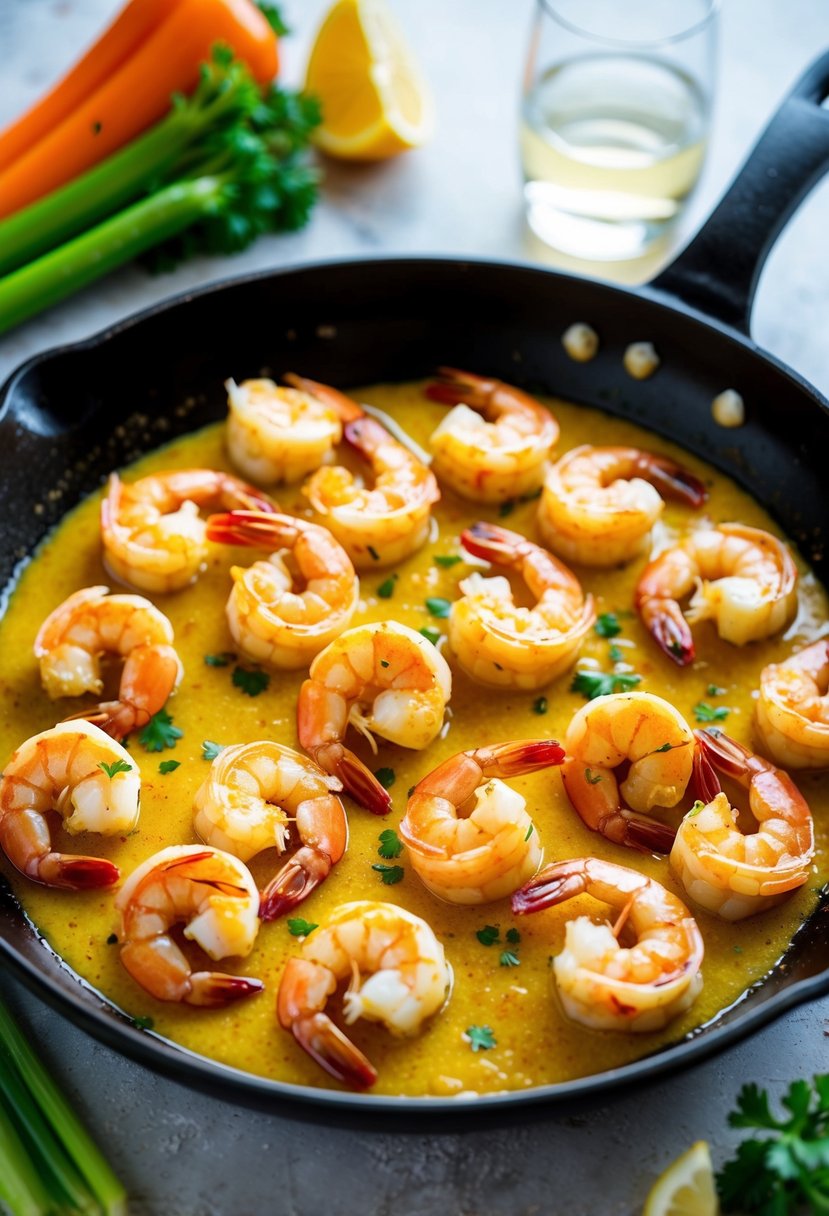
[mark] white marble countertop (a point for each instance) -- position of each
(182, 1154)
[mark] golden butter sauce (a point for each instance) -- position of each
(535, 1043)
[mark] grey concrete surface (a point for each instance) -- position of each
(183, 1154)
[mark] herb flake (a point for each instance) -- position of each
(391, 845)
(438, 606)
(250, 681)
(386, 777)
(389, 874)
(540, 705)
(210, 749)
(607, 625)
(703, 712)
(168, 766)
(592, 684)
(117, 766)
(297, 927)
(489, 935)
(480, 1038)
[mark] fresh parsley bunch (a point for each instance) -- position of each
(787, 1172)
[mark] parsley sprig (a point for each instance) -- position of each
(159, 733)
(593, 684)
(788, 1171)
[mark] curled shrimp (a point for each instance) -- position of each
(498, 643)
(382, 678)
(792, 714)
(745, 582)
(636, 974)
(277, 434)
(89, 780)
(285, 610)
(495, 444)
(214, 896)
(598, 505)
(724, 871)
(254, 797)
(469, 836)
(398, 976)
(71, 640)
(153, 536)
(383, 524)
(647, 734)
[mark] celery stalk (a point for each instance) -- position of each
(81, 261)
(81, 1150)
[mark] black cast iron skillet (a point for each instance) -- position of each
(68, 417)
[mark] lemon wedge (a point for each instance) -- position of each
(686, 1188)
(375, 103)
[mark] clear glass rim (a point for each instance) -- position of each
(550, 7)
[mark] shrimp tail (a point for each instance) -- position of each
(456, 386)
(75, 873)
(256, 529)
(663, 618)
(345, 409)
(724, 753)
(333, 1051)
(492, 543)
(522, 756)
(673, 481)
(357, 780)
(295, 881)
(552, 885)
(212, 989)
(706, 783)
(646, 835)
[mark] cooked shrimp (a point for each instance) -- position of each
(498, 643)
(89, 780)
(285, 610)
(90, 623)
(250, 798)
(214, 896)
(598, 505)
(793, 708)
(604, 983)
(383, 524)
(641, 730)
(408, 980)
(152, 534)
(277, 434)
(745, 581)
(724, 871)
(469, 836)
(495, 444)
(384, 679)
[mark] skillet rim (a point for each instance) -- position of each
(112, 1026)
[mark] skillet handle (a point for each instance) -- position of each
(718, 272)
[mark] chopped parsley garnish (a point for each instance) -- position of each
(788, 1171)
(389, 874)
(714, 690)
(480, 1038)
(391, 845)
(607, 625)
(695, 809)
(447, 559)
(488, 935)
(507, 508)
(168, 766)
(386, 589)
(438, 606)
(143, 1023)
(297, 927)
(593, 684)
(386, 777)
(159, 733)
(616, 654)
(375, 556)
(703, 712)
(250, 682)
(592, 778)
(513, 936)
(431, 635)
(223, 659)
(540, 705)
(509, 959)
(530, 831)
(117, 766)
(210, 750)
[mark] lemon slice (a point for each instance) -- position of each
(686, 1188)
(374, 101)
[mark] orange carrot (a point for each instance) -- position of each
(119, 41)
(138, 94)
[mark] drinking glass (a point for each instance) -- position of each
(614, 120)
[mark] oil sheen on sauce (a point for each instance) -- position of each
(535, 1043)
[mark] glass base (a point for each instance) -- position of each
(587, 236)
